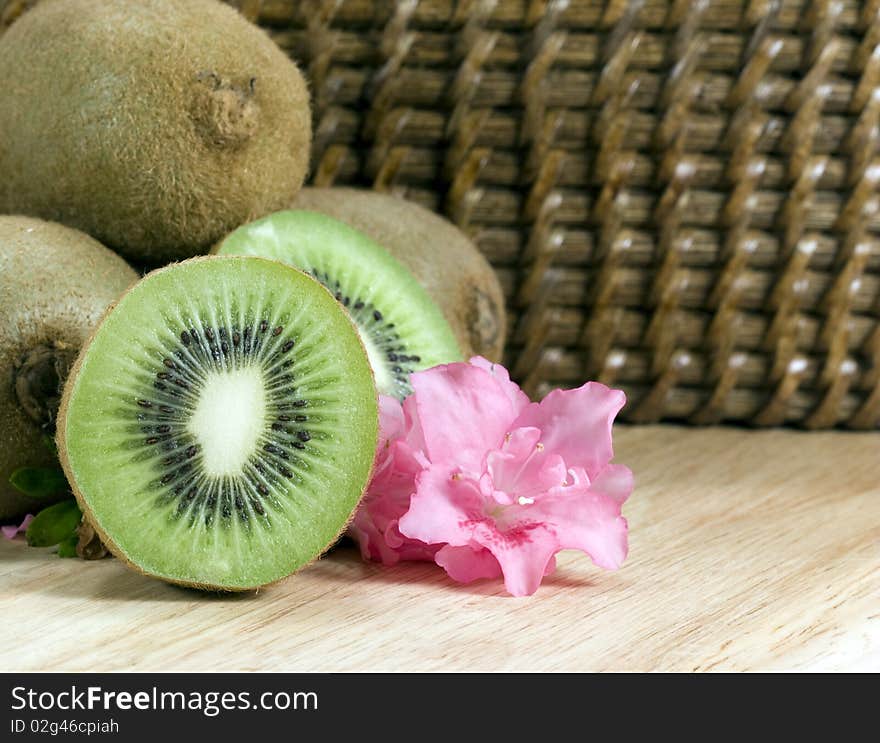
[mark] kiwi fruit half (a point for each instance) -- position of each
(401, 327)
(443, 259)
(155, 126)
(55, 284)
(220, 426)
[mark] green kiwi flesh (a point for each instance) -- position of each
(219, 429)
(401, 327)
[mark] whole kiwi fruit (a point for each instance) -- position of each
(55, 284)
(444, 260)
(155, 126)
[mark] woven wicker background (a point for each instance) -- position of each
(680, 198)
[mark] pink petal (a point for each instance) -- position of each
(444, 509)
(394, 478)
(370, 539)
(463, 411)
(467, 564)
(519, 398)
(615, 481)
(391, 419)
(590, 522)
(523, 468)
(10, 531)
(409, 549)
(576, 424)
(374, 526)
(524, 555)
(414, 436)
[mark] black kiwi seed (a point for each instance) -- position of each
(242, 511)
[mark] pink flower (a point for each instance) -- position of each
(12, 530)
(374, 526)
(487, 483)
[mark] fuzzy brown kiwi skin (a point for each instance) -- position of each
(89, 515)
(469, 296)
(55, 284)
(217, 122)
(12, 10)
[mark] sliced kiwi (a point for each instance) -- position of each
(220, 426)
(444, 259)
(401, 327)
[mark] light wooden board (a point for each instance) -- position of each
(749, 551)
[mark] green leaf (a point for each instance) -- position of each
(38, 482)
(67, 548)
(49, 443)
(54, 524)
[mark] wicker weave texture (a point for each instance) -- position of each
(680, 197)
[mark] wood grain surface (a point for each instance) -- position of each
(749, 550)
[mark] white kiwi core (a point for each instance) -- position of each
(384, 380)
(229, 418)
